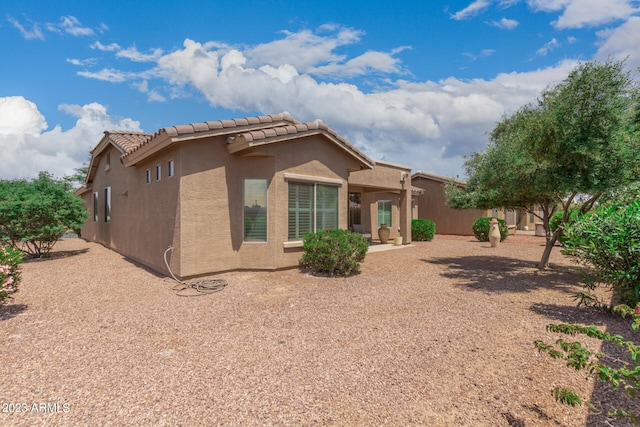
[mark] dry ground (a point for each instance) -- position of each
(437, 334)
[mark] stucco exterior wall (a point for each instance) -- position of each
(199, 211)
(144, 217)
(432, 205)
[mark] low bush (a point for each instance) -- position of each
(482, 226)
(608, 241)
(422, 229)
(336, 252)
(10, 260)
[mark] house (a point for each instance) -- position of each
(235, 194)
(431, 204)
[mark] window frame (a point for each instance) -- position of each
(158, 172)
(96, 209)
(245, 238)
(148, 176)
(107, 204)
(171, 168)
(313, 210)
(380, 219)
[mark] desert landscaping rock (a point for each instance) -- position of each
(436, 334)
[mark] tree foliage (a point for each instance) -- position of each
(579, 140)
(34, 214)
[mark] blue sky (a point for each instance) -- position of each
(415, 83)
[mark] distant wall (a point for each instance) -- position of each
(432, 205)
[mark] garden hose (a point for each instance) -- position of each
(197, 287)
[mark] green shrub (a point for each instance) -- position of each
(10, 260)
(482, 226)
(608, 240)
(336, 252)
(422, 229)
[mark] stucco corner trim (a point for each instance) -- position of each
(293, 244)
(310, 178)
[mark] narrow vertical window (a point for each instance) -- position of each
(107, 204)
(148, 176)
(170, 167)
(255, 210)
(384, 212)
(108, 162)
(95, 206)
(158, 172)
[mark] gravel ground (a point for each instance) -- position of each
(440, 334)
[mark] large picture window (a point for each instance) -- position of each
(255, 210)
(384, 212)
(312, 207)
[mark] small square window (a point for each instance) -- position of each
(171, 168)
(158, 172)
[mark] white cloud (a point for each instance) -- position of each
(304, 49)
(82, 62)
(71, 25)
(548, 47)
(133, 54)
(621, 42)
(505, 24)
(582, 13)
(34, 33)
(432, 123)
(472, 10)
(28, 148)
(113, 47)
(107, 75)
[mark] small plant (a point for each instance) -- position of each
(626, 377)
(10, 260)
(336, 252)
(608, 241)
(482, 226)
(422, 229)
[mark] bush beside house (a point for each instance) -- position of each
(422, 229)
(335, 252)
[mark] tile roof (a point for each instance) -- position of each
(264, 136)
(127, 141)
(217, 127)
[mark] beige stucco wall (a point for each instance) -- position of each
(432, 205)
(199, 211)
(385, 181)
(144, 217)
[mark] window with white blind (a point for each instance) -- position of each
(255, 210)
(384, 212)
(312, 207)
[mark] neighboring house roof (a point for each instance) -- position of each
(438, 178)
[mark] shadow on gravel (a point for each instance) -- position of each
(11, 310)
(57, 255)
(500, 274)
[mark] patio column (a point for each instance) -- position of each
(405, 214)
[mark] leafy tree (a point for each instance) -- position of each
(579, 140)
(34, 214)
(76, 179)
